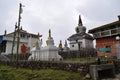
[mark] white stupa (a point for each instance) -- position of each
(47, 53)
(50, 52)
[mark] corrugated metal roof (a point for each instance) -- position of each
(104, 26)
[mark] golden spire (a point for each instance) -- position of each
(60, 45)
(47, 42)
(38, 36)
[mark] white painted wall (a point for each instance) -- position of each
(85, 44)
(75, 46)
(9, 47)
(29, 42)
(88, 43)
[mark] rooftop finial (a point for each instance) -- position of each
(49, 33)
(119, 17)
(15, 25)
(80, 21)
(66, 45)
(5, 32)
(60, 45)
(38, 36)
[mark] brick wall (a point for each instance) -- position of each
(103, 42)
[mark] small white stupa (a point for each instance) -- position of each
(66, 48)
(35, 51)
(47, 53)
(50, 52)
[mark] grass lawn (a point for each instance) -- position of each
(11, 73)
(89, 59)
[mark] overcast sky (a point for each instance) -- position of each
(61, 16)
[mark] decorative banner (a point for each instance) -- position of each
(23, 49)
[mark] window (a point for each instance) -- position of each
(96, 35)
(28, 36)
(76, 40)
(72, 45)
(22, 35)
(79, 45)
(114, 31)
(118, 30)
(105, 33)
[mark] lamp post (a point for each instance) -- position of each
(118, 47)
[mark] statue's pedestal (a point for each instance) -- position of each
(35, 54)
(50, 53)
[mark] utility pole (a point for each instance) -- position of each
(13, 44)
(18, 32)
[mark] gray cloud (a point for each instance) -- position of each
(61, 16)
(7, 15)
(100, 10)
